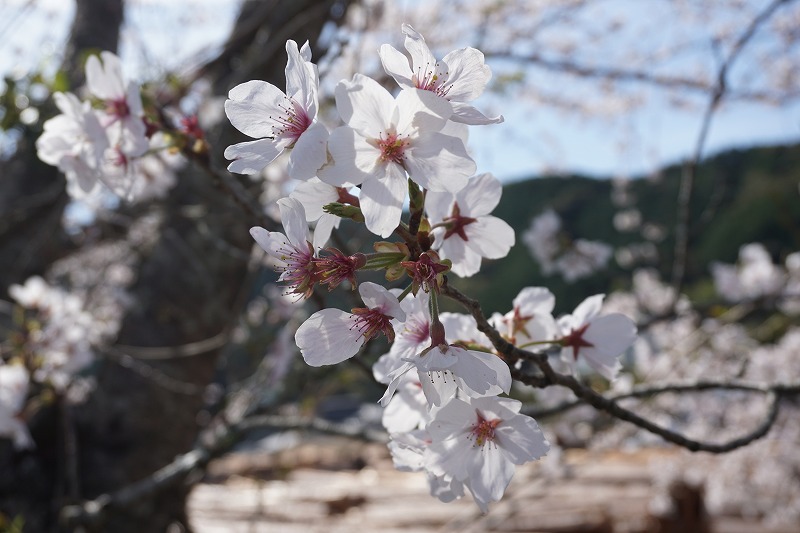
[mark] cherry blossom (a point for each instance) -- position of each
(460, 77)
(753, 277)
(13, 393)
(464, 230)
(314, 195)
(444, 369)
(386, 137)
(63, 333)
(479, 441)
(292, 251)
(278, 120)
(74, 141)
(408, 455)
(331, 336)
(599, 340)
(531, 318)
(123, 112)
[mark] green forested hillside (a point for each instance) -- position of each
(740, 196)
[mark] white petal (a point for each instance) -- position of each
(377, 297)
(452, 420)
(438, 386)
(309, 153)
(293, 218)
(483, 374)
(480, 196)
(396, 65)
(252, 105)
(534, 300)
(490, 237)
(301, 84)
(314, 194)
(382, 200)
(252, 156)
(327, 338)
(439, 162)
(521, 439)
(323, 230)
(105, 80)
(421, 57)
(439, 205)
(467, 114)
(421, 111)
(365, 106)
(354, 159)
(467, 73)
(394, 379)
(271, 242)
(612, 333)
(489, 475)
(467, 264)
(587, 309)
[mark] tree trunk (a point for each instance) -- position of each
(189, 287)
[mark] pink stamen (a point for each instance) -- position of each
(392, 148)
(483, 430)
(292, 123)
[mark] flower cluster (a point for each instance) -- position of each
(445, 409)
(107, 139)
(556, 252)
(58, 336)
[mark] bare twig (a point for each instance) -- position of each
(600, 402)
(683, 217)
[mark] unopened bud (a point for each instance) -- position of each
(344, 211)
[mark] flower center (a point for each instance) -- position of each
(370, 322)
(118, 108)
(392, 148)
(418, 330)
(455, 223)
(118, 158)
(292, 123)
(298, 270)
(430, 80)
(483, 430)
(576, 341)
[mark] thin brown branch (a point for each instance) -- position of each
(598, 401)
(683, 217)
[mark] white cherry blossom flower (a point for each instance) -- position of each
(599, 340)
(408, 409)
(411, 338)
(64, 333)
(293, 251)
(531, 319)
(478, 443)
(331, 336)
(754, 276)
(445, 368)
(386, 137)
(278, 120)
(464, 230)
(123, 112)
(314, 195)
(13, 393)
(74, 141)
(460, 77)
(408, 455)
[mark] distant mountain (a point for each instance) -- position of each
(740, 196)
